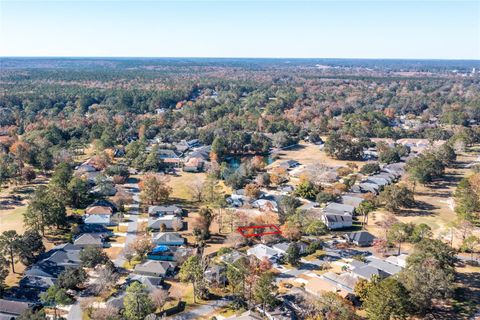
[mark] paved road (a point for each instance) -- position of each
(75, 312)
(133, 211)
(202, 310)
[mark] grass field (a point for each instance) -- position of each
(434, 203)
(12, 219)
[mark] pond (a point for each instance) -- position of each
(235, 161)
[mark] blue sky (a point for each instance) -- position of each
(228, 28)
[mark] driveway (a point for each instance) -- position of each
(202, 310)
(132, 226)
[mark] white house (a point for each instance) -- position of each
(336, 221)
(262, 251)
(168, 220)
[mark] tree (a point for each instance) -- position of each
(293, 254)
(387, 299)
(203, 223)
(324, 197)
(9, 245)
(430, 273)
(3, 274)
(329, 306)
(420, 231)
(370, 168)
(306, 190)
(72, 278)
(364, 209)
(30, 247)
(92, 257)
(154, 190)
(265, 290)
(30, 314)
(287, 207)
(343, 148)
(159, 298)
(78, 190)
(107, 277)
(291, 230)
(252, 190)
(362, 287)
(107, 313)
(399, 233)
(470, 244)
(62, 175)
(395, 197)
(45, 209)
(142, 246)
(192, 271)
(55, 296)
(137, 302)
(316, 228)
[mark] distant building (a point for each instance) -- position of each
(360, 238)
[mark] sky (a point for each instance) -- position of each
(242, 28)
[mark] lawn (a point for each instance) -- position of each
(434, 203)
(12, 219)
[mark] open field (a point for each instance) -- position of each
(308, 154)
(434, 203)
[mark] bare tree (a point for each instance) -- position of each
(159, 298)
(177, 224)
(107, 313)
(195, 189)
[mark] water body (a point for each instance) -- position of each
(235, 161)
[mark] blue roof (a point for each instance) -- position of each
(160, 248)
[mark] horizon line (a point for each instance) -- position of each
(232, 57)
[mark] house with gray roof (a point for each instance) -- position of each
(339, 208)
(369, 187)
(352, 199)
(11, 309)
(168, 239)
(164, 210)
(367, 272)
(384, 266)
(89, 239)
(153, 268)
(167, 220)
(360, 238)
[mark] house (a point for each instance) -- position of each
(289, 164)
(379, 181)
(352, 199)
(265, 205)
(339, 208)
(318, 286)
(169, 253)
(367, 272)
(360, 238)
(344, 281)
(369, 187)
(98, 215)
(153, 268)
(168, 239)
(400, 260)
(11, 309)
(282, 247)
(216, 274)
(164, 210)
(202, 153)
(168, 221)
(89, 240)
(44, 273)
(383, 265)
(336, 221)
(232, 257)
(169, 157)
(262, 252)
(151, 283)
(247, 315)
(194, 165)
